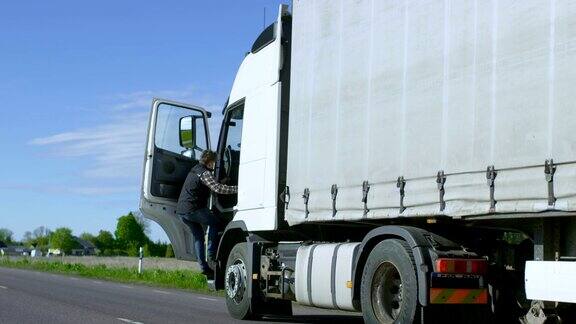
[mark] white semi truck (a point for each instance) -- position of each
(411, 160)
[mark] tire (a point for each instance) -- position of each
(240, 305)
(389, 290)
(235, 287)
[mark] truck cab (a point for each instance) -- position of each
(248, 145)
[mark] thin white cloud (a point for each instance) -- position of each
(113, 150)
(58, 138)
(139, 99)
(86, 191)
(91, 191)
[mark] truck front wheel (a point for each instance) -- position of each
(241, 303)
(236, 284)
(389, 286)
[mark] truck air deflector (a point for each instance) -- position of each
(266, 37)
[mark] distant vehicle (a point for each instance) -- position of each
(35, 253)
(15, 250)
(52, 252)
(401, 159)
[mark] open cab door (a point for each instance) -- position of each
(177, 135)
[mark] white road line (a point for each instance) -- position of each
(161, 292)
(75, 279)
(206, 298)
(126, 286)
(125, 320)
(97, 282)
(2, 287)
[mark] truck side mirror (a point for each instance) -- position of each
(187, 132)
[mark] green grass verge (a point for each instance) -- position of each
(181, 279)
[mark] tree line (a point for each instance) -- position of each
(130, 234)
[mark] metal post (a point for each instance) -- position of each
(141, 256)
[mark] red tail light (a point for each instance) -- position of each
(474, 266)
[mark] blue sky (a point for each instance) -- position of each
(76, 83)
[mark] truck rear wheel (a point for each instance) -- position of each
(389, 286)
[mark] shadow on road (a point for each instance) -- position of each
(316, 319)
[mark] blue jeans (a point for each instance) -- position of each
(197, 221)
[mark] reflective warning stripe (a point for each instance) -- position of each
(458, 296)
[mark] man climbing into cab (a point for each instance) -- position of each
(193, 208)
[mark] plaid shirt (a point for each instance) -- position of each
(208, 179)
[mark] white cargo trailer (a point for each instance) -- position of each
(411, 160)
(390, 89)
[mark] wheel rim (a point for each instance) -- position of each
(235, 281)
(386, 293)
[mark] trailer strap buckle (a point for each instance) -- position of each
(285, 196)
(365, 189)
(334, 194)
(549, 170)
(306, 197)
(401, 184)
(490, 177)
(440, 181)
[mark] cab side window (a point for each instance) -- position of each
(230, 153)
(179, 138)
(229, 156)
(168, 125)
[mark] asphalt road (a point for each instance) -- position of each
(37, 297)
